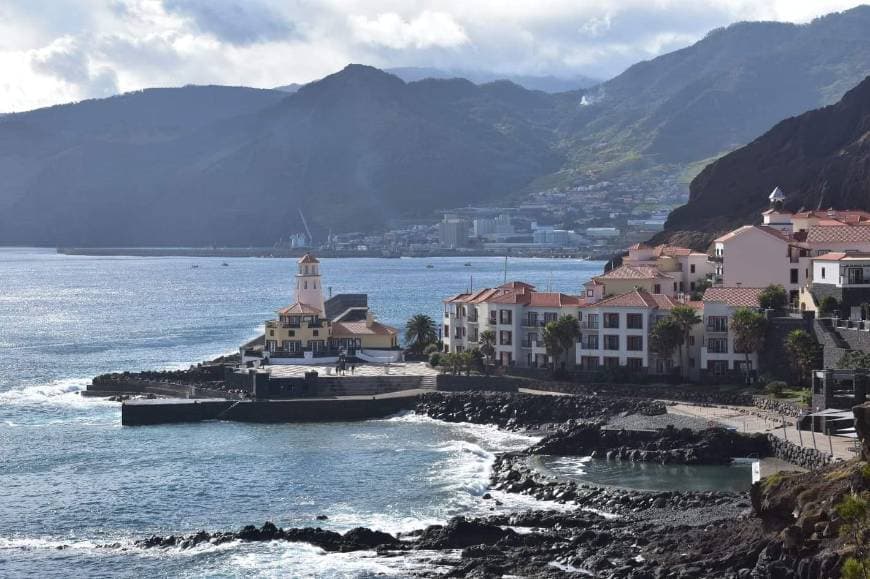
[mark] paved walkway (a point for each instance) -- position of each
(394, 369)
(750, 419)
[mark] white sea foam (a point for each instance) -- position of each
(57, 392)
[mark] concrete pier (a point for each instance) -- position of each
(345, 408)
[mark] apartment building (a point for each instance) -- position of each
(516, 312)
(616, 332)
(718, 354)
(689, 267)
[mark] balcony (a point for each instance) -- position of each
(532, 344)
(589, 325)
(491, 321)
(472, 319)
(716, 329)
(531, 323)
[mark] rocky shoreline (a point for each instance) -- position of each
(785, 527)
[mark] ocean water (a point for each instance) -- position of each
(72, 480)
(734, 477)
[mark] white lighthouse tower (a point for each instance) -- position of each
(309, 290)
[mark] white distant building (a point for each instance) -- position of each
(516, 312)
(494, 228)
(602, 232)
(555, 237)
(719, 357)
(453, 231)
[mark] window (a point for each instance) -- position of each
(611, 342)
(589, 362)
(590, 342)
(591, 322)
(692, 286)
(610, 362)
(611, 320)
(551, 317)
(794, 275)
(691, 362)
(718, 367)
(492, 317)
(634, 321)
(692, 268)
(532, 319)
(675, 287)
(634, 363)
(657, 289)
(590, 293)
(292, 333)
(634, 343)
(446, 330)
(823, 273)
(271, 332)
(717, 345)
(717, 323)
(691, 340)
(505, 316)
(505, 338)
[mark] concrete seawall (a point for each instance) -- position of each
(165, 411)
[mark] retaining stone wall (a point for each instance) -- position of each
(808, 458)
(784, 407)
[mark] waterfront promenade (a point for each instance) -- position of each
(750, 419)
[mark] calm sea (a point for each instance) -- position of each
(72, 479)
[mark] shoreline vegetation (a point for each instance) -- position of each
(787, 525)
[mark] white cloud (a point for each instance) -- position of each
(60, 50)
(429, 29)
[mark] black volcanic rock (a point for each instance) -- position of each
(820, 159)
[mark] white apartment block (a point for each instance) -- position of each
(616, 332)
(515, 312)
(719, 357)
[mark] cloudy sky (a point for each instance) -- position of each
(54, 51)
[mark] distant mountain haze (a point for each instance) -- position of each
(231, 165)
(820, 159)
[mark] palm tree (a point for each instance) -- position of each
(552, 341)
(486, 343)
(665, 337)
(568, 332)
(420, 332)
(749, 327)
(686, 318)
(805, 353)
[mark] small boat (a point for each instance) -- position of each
(467, 264)
(225, 264)
(429, 266)
(194, 266)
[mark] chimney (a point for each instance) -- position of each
(370, 318)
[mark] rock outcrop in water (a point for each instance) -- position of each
(521, 410)
(667, 446)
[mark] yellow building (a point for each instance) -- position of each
(312, 327)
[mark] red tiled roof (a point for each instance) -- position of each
(672, 250)
(308, 258)
(628, 271)
(554, 300)
(517, 285)
(840, 255)
(636, 299)
(299, 309)
(359, 328)
(741, 297)
(838, 234)
(740, 230)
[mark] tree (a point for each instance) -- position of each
(828, 306)
(486, 344)
(686, 318)
(665, 337)
(552, 341)
(773, 297)
(804, 352)
(559, 337)
(854, 510)
(568, 332)
(700, 287)
(855, 360)
(420, 332)
(749, 328)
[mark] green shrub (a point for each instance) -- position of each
(828, 305)
(806, 397)
(775, 388)
(432, 348)
(435, 359)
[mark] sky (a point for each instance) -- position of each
(56, 51)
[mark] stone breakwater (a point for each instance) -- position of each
(526, 410)
(666, 446)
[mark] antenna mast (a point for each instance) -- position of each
(307, 230)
